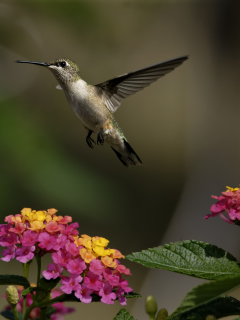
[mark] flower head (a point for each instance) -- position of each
(228, 203)
(92, 266)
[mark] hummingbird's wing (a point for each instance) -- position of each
(115, 90)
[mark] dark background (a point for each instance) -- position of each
(185, 125)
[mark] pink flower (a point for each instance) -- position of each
(106, 293)
(53, 227)
(61, 257)
(112, 277)
(71, 283)
(29, 238)
(84, 294)
(121, 299)
(60, 242)
(124, 285)
(8, 254)
(19, 228)
(53, 272)
(72, 249)
(93, 281)
(76, 266)
(46, 241)
(228, 203)
(96, 266)
(25, 253)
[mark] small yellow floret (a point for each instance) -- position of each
(231, 189)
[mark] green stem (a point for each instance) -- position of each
(60, 298)
(26, 315)
(25, 274)
(15, 313)
(38, 269)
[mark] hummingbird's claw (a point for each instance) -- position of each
(89, 140)
(100, 139)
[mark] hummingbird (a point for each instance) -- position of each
(94, 105)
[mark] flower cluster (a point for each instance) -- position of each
(60, 311)
(92, 267)
(228, 202)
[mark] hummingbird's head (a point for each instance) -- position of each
(65, 70)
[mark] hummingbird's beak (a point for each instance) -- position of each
(44, 64)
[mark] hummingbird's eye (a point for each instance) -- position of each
(63, 64)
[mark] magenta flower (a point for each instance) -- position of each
(72, 248)
(76, 266)
(93, 281)
(25, 253)
(228, 203)
(91, 266)
(60, 242)
(46, 241)
(8, 254)
(106, 293)
(29, 238)
(112, 277)
(53, 271)
(61, 257)
(96, 266)
(84, 294)
(121, 299)
(71, 283)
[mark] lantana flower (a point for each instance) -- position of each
(228, 203)
(91, 266)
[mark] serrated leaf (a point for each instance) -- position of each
(219, 308)
(8, 279)
(190, 257)
(8, 314)
(205, 293)
(123, 315)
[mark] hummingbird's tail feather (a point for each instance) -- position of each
(126, 154)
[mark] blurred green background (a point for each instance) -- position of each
(186, 119)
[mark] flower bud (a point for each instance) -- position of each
(151, 306)
(162, 314)
(12, 295)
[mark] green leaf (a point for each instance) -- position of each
(205, 293)
(8, 314)
(32, 289)
(48, 285)
(132, 295)
(8, 279)
(123, 315)
(219, 308)
(190, 257)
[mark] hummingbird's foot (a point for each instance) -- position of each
(100, 139)
(89, 140)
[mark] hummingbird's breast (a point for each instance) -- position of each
(87, 105)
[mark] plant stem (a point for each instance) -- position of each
(33, 305)
(38, 269)
(25, 274)
(15, 313)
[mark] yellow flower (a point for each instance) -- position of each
(87, 255)
(36, 225)
(101, 242)
(109, 262)
(231, 189)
